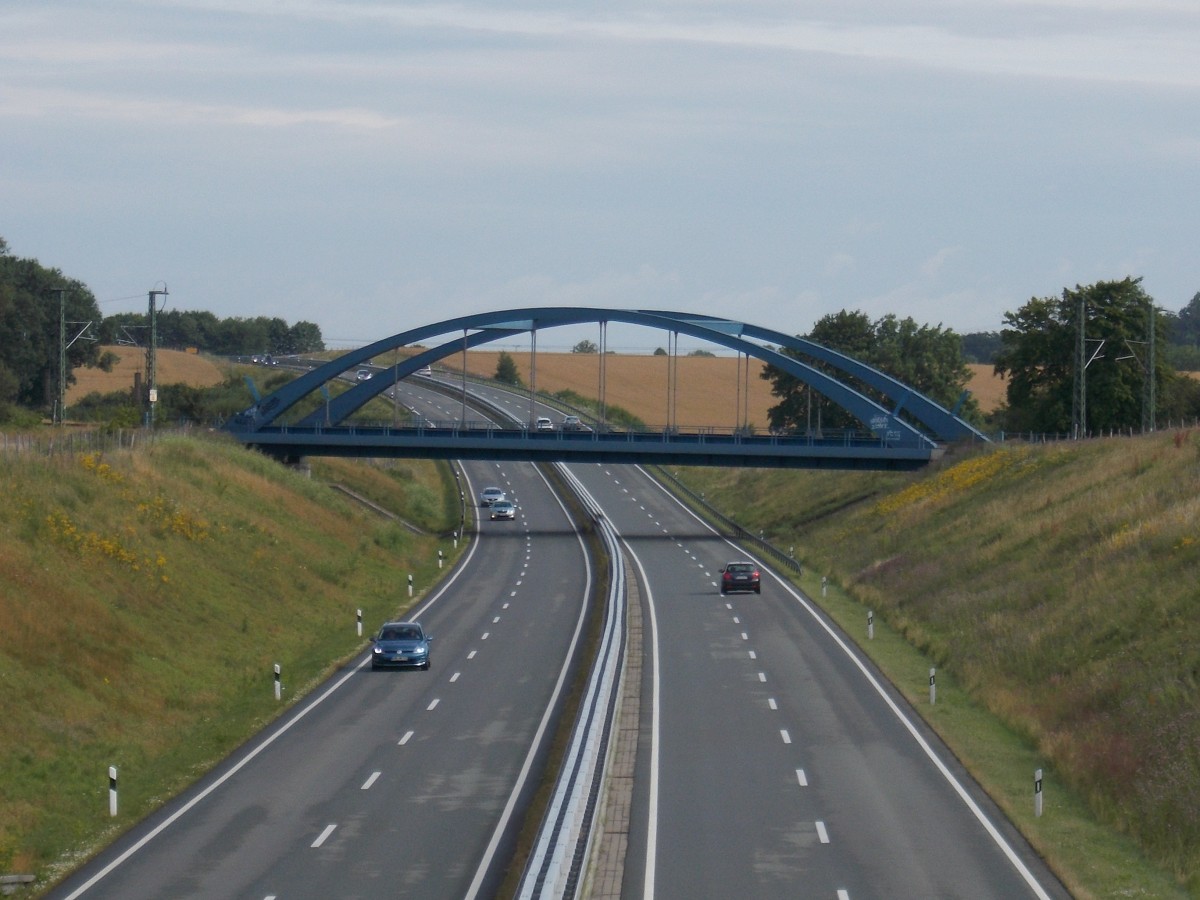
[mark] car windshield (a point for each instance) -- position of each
(401, 633)
(740, 567)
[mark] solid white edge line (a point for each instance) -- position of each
(966, 798)
(267, 742)
(494, 844)
(655, 731)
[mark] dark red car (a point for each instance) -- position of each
(740, 576)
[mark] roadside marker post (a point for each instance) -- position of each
(870, 625)
(439, 558)
(824, 580)
(278, 685)
(932, 686)
(358, 621)
(112, 791)
(410, 589)
(1037, 793)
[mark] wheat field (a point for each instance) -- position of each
(717, 391)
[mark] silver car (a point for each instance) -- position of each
(504, 509)
(490, 495)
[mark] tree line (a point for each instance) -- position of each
(1130, 346)
(42, 311)
(1132, 351)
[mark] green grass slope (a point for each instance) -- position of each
(1058, 586)
(145, 597)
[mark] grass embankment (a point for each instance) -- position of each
(145, 598)
(1054, 587)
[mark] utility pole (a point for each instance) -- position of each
(151, 351)
(1149, 399)
(60, 397)
(1079, 406)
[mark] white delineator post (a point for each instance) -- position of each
(870, 625)
(1037, 793)
(112, 790)
(358, 622)
(278, 686)
(410, 585)
(932, 686)
(439, 559)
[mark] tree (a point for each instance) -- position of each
(506, 370)
(929, 359)
(585, 346)
(1040, 350)
(29, 330)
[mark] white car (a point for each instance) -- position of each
(363, 375)
(491, 495)
(504, 509)
(425, 371)
(543, 423)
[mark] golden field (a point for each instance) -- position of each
(174, 367)
(707, 391)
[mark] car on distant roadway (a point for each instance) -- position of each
(543, 423)
(363, 375)
(740, 576)
(400, 645)
(425, 371)
(504, 509)
(573, 423)
(490, 495)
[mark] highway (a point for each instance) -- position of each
(772, 761)
(390, 783)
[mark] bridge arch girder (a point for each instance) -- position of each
(496, 325)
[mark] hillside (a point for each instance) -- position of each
(145, 596)
(1055, 584)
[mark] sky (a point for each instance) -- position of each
(377, 166)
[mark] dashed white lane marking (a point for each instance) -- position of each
(772, 704)
(504, 606)
(737, 620)
(454, 677)
(745, 637)
(822, 834)
(802, 778)
(753, 654)
(485, 636)
(495, 619)
(471, 655)
(843, 894)
(433, 704)
(729, 606)
(762, 676)
(404, 740)
(324, 836)
(783, 733)
(370, 781)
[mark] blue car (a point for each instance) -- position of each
(400, 645)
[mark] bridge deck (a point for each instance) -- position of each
(479, 441)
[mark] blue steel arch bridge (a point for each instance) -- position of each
(907, 433)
